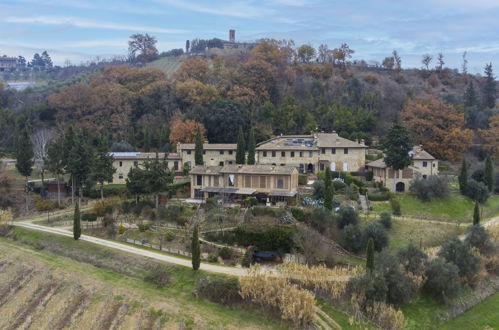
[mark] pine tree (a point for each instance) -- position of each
(463, 178)
(397, 147)
(147, 140)
(157, 176)
(251, 148)
(102, 169)
(198, 151)
(470, 98)
(328, 190)
(370, 255)
(195, 249)
(24, 156)
(76, 222)
(135, 182)
(476, 215)
(80, 159)
(489, 91)
(489, 174)
(240, 151)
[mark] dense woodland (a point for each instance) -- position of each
(275, 89)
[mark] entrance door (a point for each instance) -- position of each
(310, 168)
(400, 187)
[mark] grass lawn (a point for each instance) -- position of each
(485, 315)
(454, 208)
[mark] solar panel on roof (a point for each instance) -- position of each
(124, 154)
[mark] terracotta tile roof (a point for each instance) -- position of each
(258, 169)
(333, 140)
(137, 155)
(202, 169)
(308, 142)
(380, 163)
(209, 146)
(419, 153)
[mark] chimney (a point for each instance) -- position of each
(232, 35)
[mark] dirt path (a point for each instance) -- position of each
(123, 247)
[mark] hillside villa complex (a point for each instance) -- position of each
(286, 156)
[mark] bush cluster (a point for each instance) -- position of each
(159, 276)
(379, 196)
(434, 186)
(218, 289)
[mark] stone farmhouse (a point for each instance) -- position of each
(268, 183)
(423, 164)
(7, 63)
(124, 161)
(313, 153)
(213, 154)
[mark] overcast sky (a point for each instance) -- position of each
(79, 30)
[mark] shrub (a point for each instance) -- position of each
(352, 238)
(398, 284)
(212, 202)
(386, 220)
(169, 235)
(321, 219)
(338, 185)
(478, 237)
(442, 280)
(159, 275)
(372, 286)
(302, 179)
(121, 230)
(89, 217)
(144, 227)
(247, 260)
(434, 186)
(395, 204)
(250, 201)
(271, 238)
(212, 257)
(274, 212)
(413, 259)
(173, 213)
(376, 231)
(218, 289)
(225, 253)
(378, 197)
(477, 191)
(347, 216)
(369, 175)
(298, 213)
(319, 188)
(371, 78)
(460, 254)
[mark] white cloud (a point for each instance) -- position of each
(84, 23)
(233, 9)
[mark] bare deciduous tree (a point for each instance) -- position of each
(427, 60)
(40, 140)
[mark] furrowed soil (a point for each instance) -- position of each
(43, 290)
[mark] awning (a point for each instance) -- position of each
(212, 189)
(284, 193)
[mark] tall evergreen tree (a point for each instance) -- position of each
(195, 249)
(397, 146)
(69, 142)
(251, 148)
(198, 150)
(135, 182)
(476, 214)
(76, 222)
(102, 169)
(489, 174)
(24, 156)
(157, 176)
(146, 143)
(470, 98)
(80, 160)
(328, 190)
(370, 255)
(463, 178)
(489, 91)
(241, 147)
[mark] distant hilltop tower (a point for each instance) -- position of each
(232, 35)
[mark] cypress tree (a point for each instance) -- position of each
(489, 174)
(251, 148)
(328, 192)
(397, 146)
(240, 151)
(76, 222)
(476, 215)
(470, 98)
(489, 88)
(195, 249)
(370, 255)
(24, 157)
(198, 149)
(463, 178)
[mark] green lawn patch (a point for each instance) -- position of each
(484, 315)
